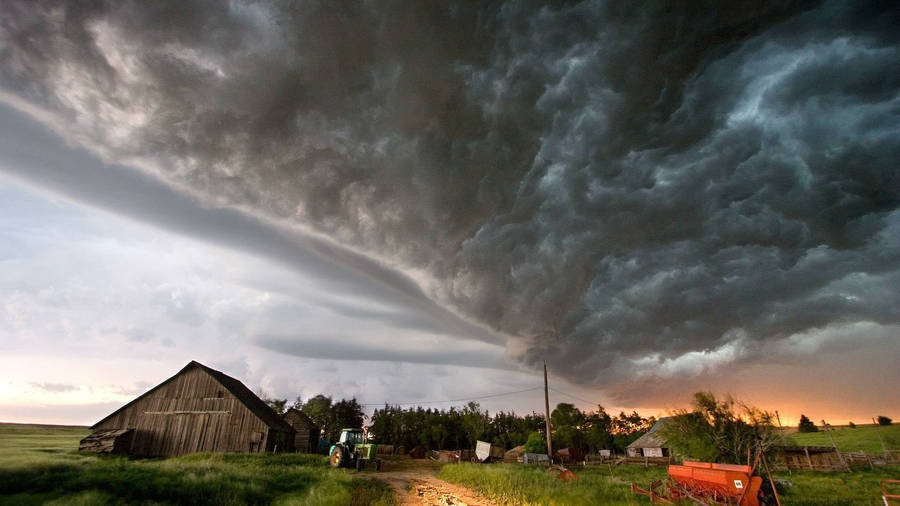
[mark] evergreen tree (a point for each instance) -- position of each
(806, 425)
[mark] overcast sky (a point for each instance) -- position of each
(423, 201)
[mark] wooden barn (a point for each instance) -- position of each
(197, 410)
(306, 432)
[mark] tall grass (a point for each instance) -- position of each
(812, 488)
(534, 485)
(38, 470)
(516, 484)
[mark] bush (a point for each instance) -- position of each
(883, 420)
(536, 443)
(719, 430)
(806, 425)
(851, 425)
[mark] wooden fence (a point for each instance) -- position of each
(815, 459)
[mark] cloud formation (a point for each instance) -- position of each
(618, 188)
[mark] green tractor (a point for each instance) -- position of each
(351, 450)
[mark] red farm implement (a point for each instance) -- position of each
(706, 483)
(890, 497)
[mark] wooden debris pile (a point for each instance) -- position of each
(116, 441)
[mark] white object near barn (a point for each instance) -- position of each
(535, 458)
(653, 452)
(482, 450)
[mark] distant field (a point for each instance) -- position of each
(866, 438)
(41, 465)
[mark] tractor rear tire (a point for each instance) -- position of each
(337, 458)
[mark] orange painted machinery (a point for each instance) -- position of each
(708, 483)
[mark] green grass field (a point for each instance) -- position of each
(41, 465)
(514, 485)
(867, 438)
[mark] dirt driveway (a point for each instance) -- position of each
(416, 483)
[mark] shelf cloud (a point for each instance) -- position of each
(635, 188)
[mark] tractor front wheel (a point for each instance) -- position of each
(337, 458)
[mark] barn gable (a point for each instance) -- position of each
(200, 409)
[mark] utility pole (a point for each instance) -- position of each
(547, 418)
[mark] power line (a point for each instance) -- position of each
(478, 398)
(572, 396)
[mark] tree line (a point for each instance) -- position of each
(329, 415)
(458, 428)
(714, 430)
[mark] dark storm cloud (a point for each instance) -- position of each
(606, 182)
(336, 348)
(31, 153)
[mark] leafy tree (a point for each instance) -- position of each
(475, 422)
(536, 443)
(318, 409)
(631, 424)
(625, 429)
(332, 416)
(690, 434)
(568, 423)
(596, 431)
(720, 431)
(346, 414)
(806, 425)
(883, 420)
(277, 405)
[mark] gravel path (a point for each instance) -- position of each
(416, 483)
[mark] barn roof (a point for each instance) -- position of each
(652, 439)
(235, 387)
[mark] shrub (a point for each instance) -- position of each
(883, 420)
(851, 425)
(536, 443)
(719, 430)
(806, 425)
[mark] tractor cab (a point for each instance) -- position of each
(351, 437)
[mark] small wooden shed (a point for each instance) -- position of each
(198, 409)
(306, 432)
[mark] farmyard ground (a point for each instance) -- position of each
(40, 465)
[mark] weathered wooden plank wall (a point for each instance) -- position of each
(191, 413)
(306, 439)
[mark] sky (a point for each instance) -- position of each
(426, 201)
